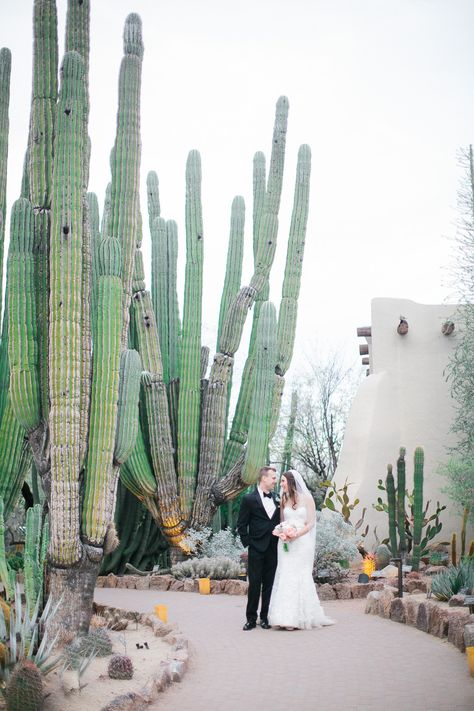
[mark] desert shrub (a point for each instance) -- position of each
(335, 541)
(206, 544)
(217, 568)
(453, 580)
(332, 573)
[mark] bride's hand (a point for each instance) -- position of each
(291, 533)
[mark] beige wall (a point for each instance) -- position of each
(405, 401)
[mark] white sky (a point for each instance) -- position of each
(380, 89)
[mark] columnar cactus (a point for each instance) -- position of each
(290, 433)
(418, 514)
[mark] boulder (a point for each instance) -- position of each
(385, 600)
(458, 619)
(372, 605)
(468, 634)
(126, 702)
(397, 610)
(160, 582)
(163, 676)
(121, 582)
(414, 584)
(176, 585)
(424, 612)
(438, 621)
(434, 569)
(390, 571)
(359, 590)
(411, 610)
(142, 582)
(191, 585)
(218, 587)
(111, 581)
(99, 583)
(326, 592)
(131, 581)
(456, 600)
(236, 587)
(177, 669)
(342, 590)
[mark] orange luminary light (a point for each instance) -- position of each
(368, 564)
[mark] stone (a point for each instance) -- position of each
(236, 587)
(468, 634)
(439, 621)
(456, 600)
(359, 590)
(434, 569)
(217, 586)
(111, 581)
(163, 676)
(126, 702)
(191, 585)
(131, 581)
(397, 610)
(372, 605)
(413, 575)
(423, 617)
(160, 582)
(121, 583)
(457, 621)
(177, 585)
(414, 584)
(385, 600)
(143, 582)
(342, 590)
(390, 571)
(182, 655)
(411, 610)
(99, 583)
(177, 669)
(326, 592)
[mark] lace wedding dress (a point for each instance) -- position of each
(294, 601)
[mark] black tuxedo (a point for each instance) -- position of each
(255, 530)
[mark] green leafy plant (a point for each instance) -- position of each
(454, 579)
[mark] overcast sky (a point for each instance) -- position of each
(380, 89)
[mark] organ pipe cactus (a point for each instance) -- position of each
(417, 507)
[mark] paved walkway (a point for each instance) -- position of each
(364, 663)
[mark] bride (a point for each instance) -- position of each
(294, 602)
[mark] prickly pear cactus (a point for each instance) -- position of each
(120, 667)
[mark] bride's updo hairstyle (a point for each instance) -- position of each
(292, 491)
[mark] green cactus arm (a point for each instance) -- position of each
(104, 225)
(22, 344)
(99, 488)
(86, 329)
(94, 224)
(33, 565)
(124, 219)
(5, 73)
(127, 419)
(190, 391)
(294, 262)
(290, 433)
(400, 514)
(4, 571)
(153, 197)
(136, 473)
(392, 514)
(174, 324)
(16, 457)
(235, 253)
(4, 369)
(157, 415)
(159, 287)
(417, 506)
(65, 341)
(260, 418)
(78, 29)
(259, 191)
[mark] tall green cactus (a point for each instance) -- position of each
(401, 491)
(5, 72)
(290, 433)
(417, 506)
(392, 519)
(36, 543)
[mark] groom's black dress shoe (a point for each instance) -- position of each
(249, 626)
(264, 625)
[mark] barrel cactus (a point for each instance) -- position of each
(120, 667)
(24, 691)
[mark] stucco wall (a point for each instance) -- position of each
(405, 401)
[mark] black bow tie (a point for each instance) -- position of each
(269, 495)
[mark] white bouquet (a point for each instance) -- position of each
(282, 531)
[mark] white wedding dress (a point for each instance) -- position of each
(294, 601)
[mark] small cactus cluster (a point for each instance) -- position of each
(120, 667)
(25, 689)
(220, 568)
(96, 643)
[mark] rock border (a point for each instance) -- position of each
(169, 671)
(426, 614)
(338, 591)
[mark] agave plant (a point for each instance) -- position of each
(454, 579)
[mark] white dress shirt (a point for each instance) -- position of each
(268, 503)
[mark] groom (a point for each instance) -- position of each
(259, 514)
